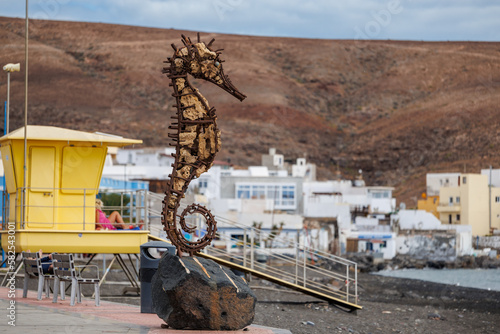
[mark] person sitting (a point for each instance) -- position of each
(114, 222)
(46, 261)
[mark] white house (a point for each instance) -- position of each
(435, 181)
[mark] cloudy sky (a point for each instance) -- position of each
(431, 20)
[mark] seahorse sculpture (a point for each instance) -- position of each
(196, 136)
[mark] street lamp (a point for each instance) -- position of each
(9, 68)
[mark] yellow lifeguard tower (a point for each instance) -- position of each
(56, 210)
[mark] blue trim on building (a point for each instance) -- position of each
(107, 182)
(368, 236)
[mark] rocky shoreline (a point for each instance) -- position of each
(368, 263)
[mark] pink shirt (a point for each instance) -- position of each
(104, 221)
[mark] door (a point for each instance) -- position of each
(41, 187)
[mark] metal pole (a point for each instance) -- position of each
(305, 261)
(347, 284)
(252, 241)
(25, 107)
(245, 247)
(22, 208)
(8, 105)
(4, 201)
(15, 206)
(356, 283)
(147, 209)
(297, 258)
(489, 205)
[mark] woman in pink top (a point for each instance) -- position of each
(114, 222)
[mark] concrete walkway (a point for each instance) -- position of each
(43, 316)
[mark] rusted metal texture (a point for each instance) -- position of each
(195, 136)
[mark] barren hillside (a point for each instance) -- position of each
(394, 109)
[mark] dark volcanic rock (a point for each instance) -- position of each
(195, 293)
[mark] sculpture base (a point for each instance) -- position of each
(196, 293)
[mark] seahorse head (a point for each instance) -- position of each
(199, 60)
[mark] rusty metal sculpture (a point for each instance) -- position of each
(196, 137)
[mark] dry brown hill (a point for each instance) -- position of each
(395, 109)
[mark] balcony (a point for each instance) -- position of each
(449, 208)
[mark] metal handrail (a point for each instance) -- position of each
(290, 276)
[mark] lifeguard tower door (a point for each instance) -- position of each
(40, 213)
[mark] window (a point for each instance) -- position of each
(272, 192)
(464, 180)
(283, 195)
(380, 194)
(288, 195)
(497, 199)
(451, 200)
(458, 217)
(243, 191)
(457, 200)
(203, 184)
(259, 192)
(449, 219)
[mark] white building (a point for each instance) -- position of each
(305, 170)
(153, 156)
(273, 161)
(419, 233)
(493, 176)
(435, 181)
(322, 198)
(138, 164)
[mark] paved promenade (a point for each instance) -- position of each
(43, 316)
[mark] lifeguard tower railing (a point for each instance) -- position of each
(290, 262)
(77, 214)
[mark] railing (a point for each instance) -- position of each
(296, 263)
(76, 212)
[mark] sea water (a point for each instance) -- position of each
(488, 279)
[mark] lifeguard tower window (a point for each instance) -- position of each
(76, 176)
